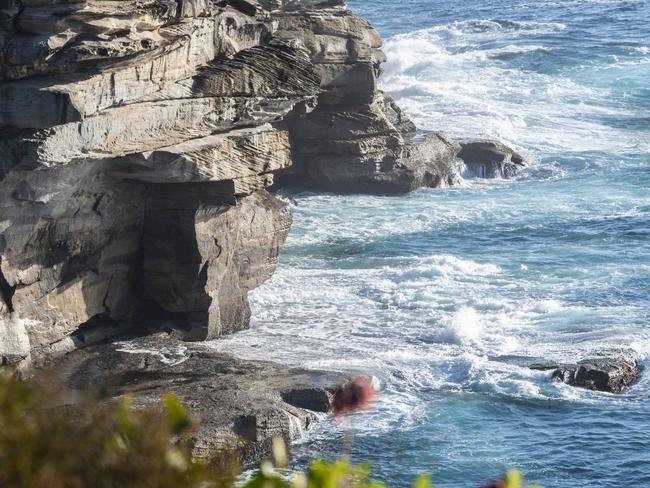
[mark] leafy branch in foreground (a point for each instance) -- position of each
(47, 443)
(342, 474)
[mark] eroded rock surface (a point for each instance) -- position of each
(137, 144)
(241, 405)
(489, 159)
(136, 147)
(357, 139)
(612, 373)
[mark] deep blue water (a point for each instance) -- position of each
(444, 292)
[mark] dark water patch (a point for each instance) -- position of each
(628, 123)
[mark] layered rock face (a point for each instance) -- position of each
(137, 143)
(357, 139)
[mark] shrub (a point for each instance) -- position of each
(92, 444)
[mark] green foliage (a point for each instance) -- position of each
(321, 474)
(422, 481)
(177, 416)
(45, 443)
(513, 479)
(342, 474)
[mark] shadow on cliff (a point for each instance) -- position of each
(175, 262)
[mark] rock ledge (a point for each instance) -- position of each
(242, 405)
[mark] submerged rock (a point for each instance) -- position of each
(490, 159)
(605, 373)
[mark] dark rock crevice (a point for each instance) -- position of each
(6, 295)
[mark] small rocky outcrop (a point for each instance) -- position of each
(242, 405)
(609, 372)
(489, 159)
(613, 375)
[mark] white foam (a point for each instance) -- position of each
(446, 79)
(546, 306)
(642, 348)
(166, 355)
(448, 264)
(465, 327)
(296, 432)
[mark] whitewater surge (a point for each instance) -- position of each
(459, 78)
(447, 295)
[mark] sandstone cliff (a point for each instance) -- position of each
(137, 143)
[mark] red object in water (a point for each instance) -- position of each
(354, 395)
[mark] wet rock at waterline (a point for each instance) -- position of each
(612, 373)
(489, 159)
(242, 405)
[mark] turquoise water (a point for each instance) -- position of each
(444, 293)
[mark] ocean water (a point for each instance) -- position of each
(445, 294)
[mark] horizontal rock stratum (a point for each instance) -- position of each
(138, 143)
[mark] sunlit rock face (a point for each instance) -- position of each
(137, 146)
(135, 152)
(357, 139)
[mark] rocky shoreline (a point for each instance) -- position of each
(138, 146)
(137, 151)
(241, 405)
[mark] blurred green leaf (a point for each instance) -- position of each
(176, 413)
(422, 481)
(513, 479)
